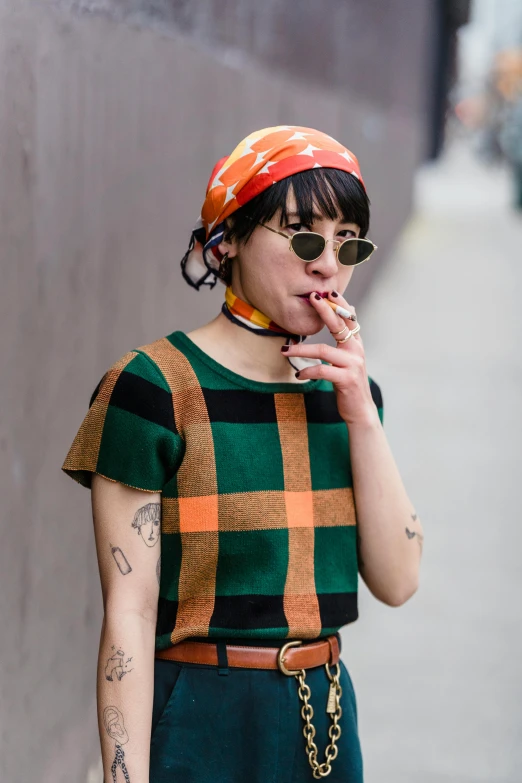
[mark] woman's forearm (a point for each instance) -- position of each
(391, 535)
(125, 693)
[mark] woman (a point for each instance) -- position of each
(253, 471)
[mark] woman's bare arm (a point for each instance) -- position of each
(390, 533)
(127, 531)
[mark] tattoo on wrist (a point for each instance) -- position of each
(120, 560)
(147, 522)
(118, 665)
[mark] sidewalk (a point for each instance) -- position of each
(439, 681)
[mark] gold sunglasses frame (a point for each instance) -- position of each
(337, 242)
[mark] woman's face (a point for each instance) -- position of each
(268, 275)
(150, 531)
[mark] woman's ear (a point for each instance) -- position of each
(228, 245)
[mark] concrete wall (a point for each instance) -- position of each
(108, 132)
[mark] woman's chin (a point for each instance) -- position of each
(307, 325)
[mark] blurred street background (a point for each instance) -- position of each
(112, 114)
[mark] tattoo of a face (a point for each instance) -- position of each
(113, 722)
(120, 560)
(147, 522)
(158, 570)
(412, 534)
(117, 665)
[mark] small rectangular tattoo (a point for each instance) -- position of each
(120, 560)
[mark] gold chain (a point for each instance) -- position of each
(334, 732)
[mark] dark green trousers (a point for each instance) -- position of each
(228, 725)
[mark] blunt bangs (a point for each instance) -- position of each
(335, 194)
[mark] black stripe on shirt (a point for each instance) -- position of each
(143, 398)
(248, 612)
(321, 408)
(239, 406)
(337, 609)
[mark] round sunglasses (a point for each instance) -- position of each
(308, 246)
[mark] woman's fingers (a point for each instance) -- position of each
(337, 324)
(328, 353)
(340, 301)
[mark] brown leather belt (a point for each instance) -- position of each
(290, 658)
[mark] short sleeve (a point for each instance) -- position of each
(129, 433)
(377, 397)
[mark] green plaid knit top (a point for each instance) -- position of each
(258, 527)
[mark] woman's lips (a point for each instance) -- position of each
(323, 294)
(306, 297)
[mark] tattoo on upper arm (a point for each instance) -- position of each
(115, 728)
(147, 522)
(120, 560)
(412, 534)
(117, 665)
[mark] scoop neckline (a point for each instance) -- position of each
(240, 380)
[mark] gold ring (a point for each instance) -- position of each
(357, 329)
(341, 332)
(345, 338)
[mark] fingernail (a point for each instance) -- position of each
(285, 348)
(316, 296)
(298, 373)
(334, 293)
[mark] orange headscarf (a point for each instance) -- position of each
(258, 162)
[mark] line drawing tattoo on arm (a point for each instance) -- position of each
(115, 728)
(114, 725)
(147, 522)
(117, 665)
(412, 534)
(120, 560)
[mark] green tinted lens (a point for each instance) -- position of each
(355, 251)
(308, 246)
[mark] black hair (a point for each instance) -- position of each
(334, 193)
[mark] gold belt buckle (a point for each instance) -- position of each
(281, 659)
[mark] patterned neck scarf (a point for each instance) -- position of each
(258, 162)
(243, 314)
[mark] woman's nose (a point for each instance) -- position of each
(327, 261)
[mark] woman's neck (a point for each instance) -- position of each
(251, 355)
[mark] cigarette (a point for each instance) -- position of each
(341, 310)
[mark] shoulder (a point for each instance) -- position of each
(135, 385)
(135, 374)
(129, 433)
